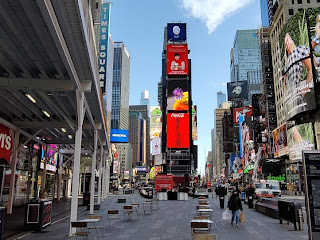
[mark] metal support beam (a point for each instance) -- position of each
(43, 84)
(13, 171)
(76, 162)
(50, 125)
(30, 138)
(100, 173)
(59, 178)
(93, 171)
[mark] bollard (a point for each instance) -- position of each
(300, 217)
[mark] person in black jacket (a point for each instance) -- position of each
(234, 204)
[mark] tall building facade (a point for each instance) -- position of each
(144, 110)
(120, 87)
(144, 100)
(221, 97)
(124, 151)
(245, 55)
(264, 13)
(282, 11)
(137, 138)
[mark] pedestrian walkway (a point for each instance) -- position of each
(172, 221)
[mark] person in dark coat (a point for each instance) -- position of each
(234, 204)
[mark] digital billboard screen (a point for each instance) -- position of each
(237, 112)
(178, 95)
(155, 122)
(156, 146)
(237, 90)
(119, 135)
(178, 130)
(177, 59)
(280, 141)
(300, 137)
(297, 76)
(177, 32)
(194, 123)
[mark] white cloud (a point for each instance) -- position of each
(213, 12)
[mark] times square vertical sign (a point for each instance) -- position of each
(104, 43)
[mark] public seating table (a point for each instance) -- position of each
(147, 204)
(90, 220)
(207, 211)
(201, 225)
(204, 207)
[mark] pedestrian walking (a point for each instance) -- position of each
(234, 204)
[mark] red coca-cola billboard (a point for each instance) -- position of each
(239, 111)
(178, 132)
(6, 143)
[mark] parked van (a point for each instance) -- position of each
(267, 188)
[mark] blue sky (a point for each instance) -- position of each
(211, 28)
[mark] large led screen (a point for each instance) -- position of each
(300, 137)
(237, 90)
(119, 135)
(155, 122)
(178, 130)
(177, 59)
(280, 141)
(6, 143)
(297, 76)
(237, 112)
(178, 95)
(177, 32)
(194, 123)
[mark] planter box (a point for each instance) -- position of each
(162, 196)
(182, 196)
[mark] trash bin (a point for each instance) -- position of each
(221, 202)
(289, 211)
(2, 214)
(86, 199)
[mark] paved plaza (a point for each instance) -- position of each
(171, 221)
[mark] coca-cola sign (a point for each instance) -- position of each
(6, 142)
(177, 115)
(237, 112)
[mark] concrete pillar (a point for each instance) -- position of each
(93, 171)
(100, 174)
(13, 171)
(59, 178)
(76, 161)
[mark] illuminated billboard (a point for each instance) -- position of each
(177, 59)
(178, 130)
(178, 95)
(296, 67)
(177, 32)
(237, 112)
(156, 146)
(280, 141)
(155, 122)
(119, 135)
(194, 123)
(237, 90)
(6, 143)
(300, 137)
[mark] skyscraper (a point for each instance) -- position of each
(264, 13)
(246, 59)
(120, 87)
(221, 97)
(144, 111)
(144, 100)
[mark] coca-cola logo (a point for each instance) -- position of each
(177, 115)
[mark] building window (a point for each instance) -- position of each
(290, 11)
(299, 1)
(292, 1)
(308, 1)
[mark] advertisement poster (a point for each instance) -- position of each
(119, 135)
(156, 146)
(178, 130)
(280, 141)
(237, 90)
(178, 95)
(177, 59)
(155, 122)
(52, 158)
(314, 18)
(300, 137)
(6, 143)
(194, 123)
(177, 32)
(296, 66)
(116, 167)
(239, 111)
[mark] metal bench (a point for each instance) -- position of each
(199, 226)
(268, 207)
